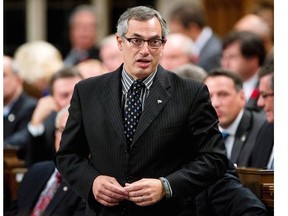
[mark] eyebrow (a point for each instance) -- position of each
(140, 36)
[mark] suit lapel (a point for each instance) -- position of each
(158, 97)
(111, 99)
(241, 136)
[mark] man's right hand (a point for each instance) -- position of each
(108, 191)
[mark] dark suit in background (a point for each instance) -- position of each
(228, 197)
(46, 150)
(263, 146)
(178, 124)
(245, 136)
(210, 55)
(64, 203)
(15, 122)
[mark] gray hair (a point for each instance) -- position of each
(140, 13)
(191, 71)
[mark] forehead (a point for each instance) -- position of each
(150, 27)
(219, 82)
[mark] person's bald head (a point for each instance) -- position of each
(255, 24)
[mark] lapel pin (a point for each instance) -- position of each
(65, 188)
(11, 117)
(243, 138)
(159, 101)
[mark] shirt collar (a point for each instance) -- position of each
(233, 127)
(202, 39)
(127, 81)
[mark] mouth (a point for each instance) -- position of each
(143, 63)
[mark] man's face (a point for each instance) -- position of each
(11, 82)
(140, 62)
(83, 31)
(175, 54)
(225, 99)
(111, 56)
(266, 98)
(233, 60)
(63, 90)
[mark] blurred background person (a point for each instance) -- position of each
(83, 35)
(254, 23)
(263, 152)
(244, 53)
(189, 19)
(41, 128)
(39, 180)
(18, 106)
(110, 54)
(178, 50)
(240, 124)
(265, 10)
(36, 62)
(191, 71)
(90, 68)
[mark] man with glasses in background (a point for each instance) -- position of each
(141, 140)
(263, 152)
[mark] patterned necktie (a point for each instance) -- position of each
(132, 111)
(45, 199)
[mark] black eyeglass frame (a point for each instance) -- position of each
(139, 42)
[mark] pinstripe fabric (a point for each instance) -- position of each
(177, 137)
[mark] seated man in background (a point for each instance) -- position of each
(34, 192)
(178, 51)
(41, 128)
(263, 152)
(82, 35)
(244, 53)
(242, 124)
(18, 106)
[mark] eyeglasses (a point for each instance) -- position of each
(266, 95)
(138, 42)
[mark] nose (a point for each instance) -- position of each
(145, 48)
(260, 101)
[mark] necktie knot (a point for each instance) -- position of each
(137, 86)
(225, 135)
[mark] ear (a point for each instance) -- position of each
(119, 42)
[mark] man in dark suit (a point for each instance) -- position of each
(18, 106)
(263, 152)
(242, 124)
(41, 128)
(189, 19)
(37, 180)
(177, 149)
(244, 53)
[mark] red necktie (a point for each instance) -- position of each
(45, 199)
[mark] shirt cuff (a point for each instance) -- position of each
(36, 130)
(167, 187)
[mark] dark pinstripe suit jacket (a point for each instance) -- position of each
(177, 137)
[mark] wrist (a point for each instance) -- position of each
(166, 187)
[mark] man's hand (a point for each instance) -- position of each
(44, 108)
(108, 191)
(145, 191)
